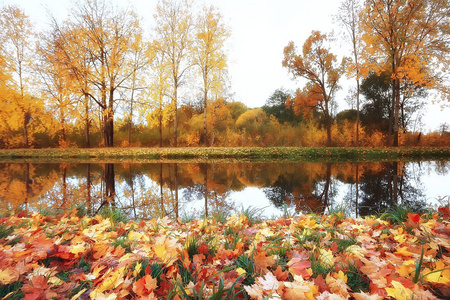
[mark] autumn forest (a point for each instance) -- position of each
(97, 78)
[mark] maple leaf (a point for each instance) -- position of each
(321, 284)
(337, 285)
(300, 267)
(414, 218)
(32, 296)
(254, 291)
(326, 257)
(145, 285)
(8, 275)
(112, 281)
(262, 261)
(101, 296)
(365, 296)
(80, 248)
(445, 211)
(403, 251)
(440, 274)
(100, 250)
(329, 296)
(399, 292)
(269, 282)
(280, 274)
(299, 289)
(166, 248)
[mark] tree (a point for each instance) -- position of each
(279, 106)
(211, 34)
(348, 17)
(318, 65)
(409, 39)
(139, 60)
(17, 38)
(108, 37)
(72, 46)
(56, 85)
(158, 88)
(174, 25)
(377, 107)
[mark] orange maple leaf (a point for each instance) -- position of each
(145, 285)
(280, 274)
(300, 267)
(262, 262)
(414, 218)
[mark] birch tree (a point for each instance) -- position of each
(210, 57)
(17, 38)
(174, 29)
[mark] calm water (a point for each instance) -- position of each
(189, 189)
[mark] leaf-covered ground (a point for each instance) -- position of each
(307, 257)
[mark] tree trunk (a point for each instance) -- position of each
(160, 128)
(161, 197)
(88, 188)
(326, 188)
(87, 122)
(328, 130)
(206, 190)
(212, 126)
(395, 182)
(25, 129)
(357, 110)
(396, 110)
(110, 189)
(64, 184)
(176, 190)
(109, 128)
(357, 190)
(175, 117)
(205, 123)
(130, 174)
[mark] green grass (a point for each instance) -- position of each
(114, 214)
(223, 153)
(14, 289)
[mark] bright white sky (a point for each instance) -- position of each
(260, 30)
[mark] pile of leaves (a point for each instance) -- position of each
(306, 257)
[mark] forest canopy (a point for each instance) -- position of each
(98, 78)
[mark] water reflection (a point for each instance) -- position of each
(176, 189)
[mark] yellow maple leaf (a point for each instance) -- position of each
(440, 274)
(9, 275)
(113, 281)
(340, 275)
(399, 292)
(80, 248)
(166, 248)
(403, 251)
(240, 271)
(406, 269)
(326, 257)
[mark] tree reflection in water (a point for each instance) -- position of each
(146, 191)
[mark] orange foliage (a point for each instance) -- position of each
(158, 265)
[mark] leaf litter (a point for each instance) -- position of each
(304, 257)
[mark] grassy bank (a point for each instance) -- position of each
(306, 257)
(266, 153)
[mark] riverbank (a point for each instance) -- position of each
(306, 257)
(199, 154)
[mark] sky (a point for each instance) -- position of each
(260, 29)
